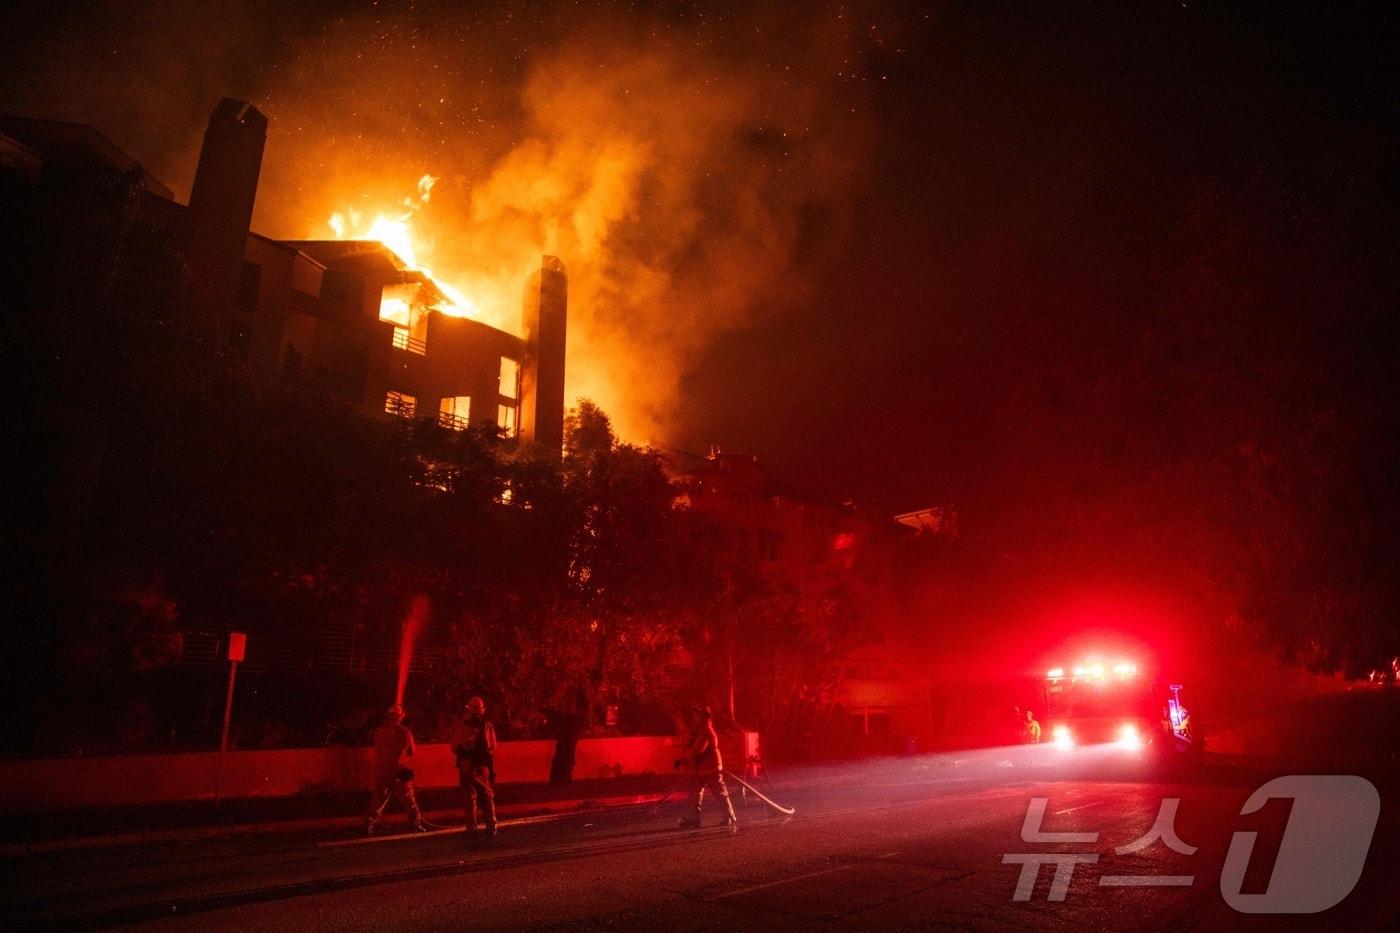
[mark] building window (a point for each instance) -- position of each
(402, 306)
(510, 377)
(505, 419)
(454, 412)
(401, 404)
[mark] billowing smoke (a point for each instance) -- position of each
(682, 188)
(686, 165)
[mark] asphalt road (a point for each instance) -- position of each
(908, 843)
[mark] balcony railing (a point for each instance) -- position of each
(403, 341)
(452, 422)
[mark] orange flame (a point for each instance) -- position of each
(396, 233)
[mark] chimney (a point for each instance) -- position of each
(542, 371)
(221, 204)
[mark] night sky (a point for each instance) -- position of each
(994, 242)
(1037, 196)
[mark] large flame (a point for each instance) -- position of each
(396, 233)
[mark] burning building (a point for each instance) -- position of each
(350, 317)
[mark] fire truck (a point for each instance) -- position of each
(1115, 705)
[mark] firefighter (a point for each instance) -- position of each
(474, 744)
(393, 779)
(702, 754)
(1032, 729)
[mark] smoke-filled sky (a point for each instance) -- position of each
(688, 165)
(892, 249)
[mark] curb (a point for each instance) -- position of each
(510, 811)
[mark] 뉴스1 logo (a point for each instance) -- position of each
(1324, 844)
(1323, 851)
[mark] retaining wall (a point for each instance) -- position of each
(130, 780)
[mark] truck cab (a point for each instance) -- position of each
(1117, 706)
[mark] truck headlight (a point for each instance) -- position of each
(1128, 736)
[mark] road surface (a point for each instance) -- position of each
(934, 841)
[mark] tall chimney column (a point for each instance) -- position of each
(545, 319)
(221, 203)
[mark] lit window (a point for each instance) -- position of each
(510, 377)
(402, 305)
(398, 403)
(454, 412)
(505, 419)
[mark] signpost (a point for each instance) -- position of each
(237, 648)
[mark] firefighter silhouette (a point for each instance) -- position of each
(474, 744)
(703, 756)
(393, 779)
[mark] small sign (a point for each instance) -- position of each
(237, 645)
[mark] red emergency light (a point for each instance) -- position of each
(1093, 671)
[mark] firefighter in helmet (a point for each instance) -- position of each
(393, 779)
(702, 755)
(474, 744)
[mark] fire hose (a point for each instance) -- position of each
(730, 775)
(786, 811)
